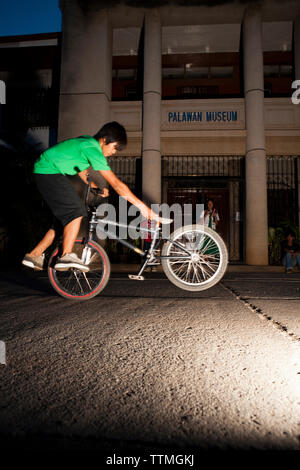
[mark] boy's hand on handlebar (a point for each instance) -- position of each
(150, 215)
(165, 220)
(105, 192)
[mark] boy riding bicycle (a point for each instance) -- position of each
(70, 157)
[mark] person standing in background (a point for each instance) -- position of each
(210, 217)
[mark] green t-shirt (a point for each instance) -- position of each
(72, 156)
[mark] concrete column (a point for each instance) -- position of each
(256, 177)
(152, 109)
(86, 70)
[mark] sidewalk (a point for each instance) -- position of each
(150, 365)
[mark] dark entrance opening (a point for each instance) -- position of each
(201, 195)
(195, 179)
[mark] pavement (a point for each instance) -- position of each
(146, 367)
(237, 268)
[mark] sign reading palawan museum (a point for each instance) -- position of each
(202, 116)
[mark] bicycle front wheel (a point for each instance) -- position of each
(196, 258)
(75, 284)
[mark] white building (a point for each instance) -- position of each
(214, 117)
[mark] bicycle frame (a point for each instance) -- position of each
(152, 258)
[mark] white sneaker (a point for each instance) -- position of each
(34, 262)
(70, 260)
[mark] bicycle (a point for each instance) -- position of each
(193, 258)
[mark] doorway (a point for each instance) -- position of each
(201, 195)
(228, 197)
(193, 179)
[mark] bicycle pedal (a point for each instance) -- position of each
(135, 277)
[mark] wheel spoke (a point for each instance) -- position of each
(76, 283)
(201, 265)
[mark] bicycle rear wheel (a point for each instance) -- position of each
(197, 258)
(75, 284)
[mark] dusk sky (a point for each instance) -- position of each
(29, 17)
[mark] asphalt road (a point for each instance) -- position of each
(148, 366)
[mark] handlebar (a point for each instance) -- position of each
(160, 220)
(163, 220)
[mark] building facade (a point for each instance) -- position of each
(211, 115)
(205, 94)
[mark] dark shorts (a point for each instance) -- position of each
(61, 197)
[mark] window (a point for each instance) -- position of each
(198, 75)
(221, 72)
(126, 74)
(196, 72)
(286, 70)
(278, 70)
(174, 72)
(271, 70)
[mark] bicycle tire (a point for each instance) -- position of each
(207, 263)
(76, 285)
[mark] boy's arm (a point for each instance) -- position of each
(84, 176)
(123, 191)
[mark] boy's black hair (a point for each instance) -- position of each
(113, 132)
